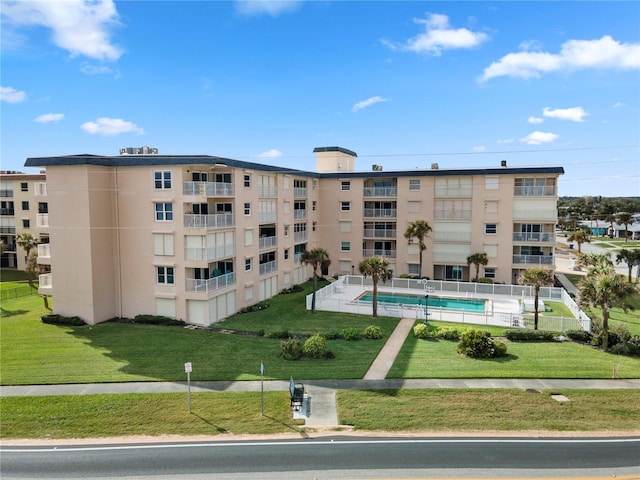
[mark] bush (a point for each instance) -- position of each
(278, 334)
(158, 320)
(294, 289)
(290, 349)
(373, 332)
(478, 344)
(333, 335)
(315, 346)
(528, 335)
(485, 280)
(55, 319)
(351, 333)
(447, 333)
(256, 307)
(579, 335)
(421, 331)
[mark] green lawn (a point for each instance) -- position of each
(12, 275)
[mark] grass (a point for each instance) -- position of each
(482, 410)
(12, 275)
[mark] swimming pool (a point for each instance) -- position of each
(446, 303)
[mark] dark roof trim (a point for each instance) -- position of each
(445, 172)
(335, 149)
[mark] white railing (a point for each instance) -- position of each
(208, 189)
(218, 220)
(6, 193)
(452, 236)
(300, 213)
(379, 233)
(533, 191)
(267, 191)
(44, 250)
(210, 285)
(297, 258)
(300, 192)
(268, 267)
(452, 214)
(299, 236)
(380, 192)
(267, 242)
(533, 259)
(209, 253)
(267, 217)
(380, 212)
(42, 220)
(534, 237)
(453, 192)
(45, 281)
(378, 252)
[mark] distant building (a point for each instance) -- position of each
(199, 237)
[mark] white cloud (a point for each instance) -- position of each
(79, 26)
(575, 114)
(49, 117)
(538, 138)
(99, 70)
(535, 120)
(111, 126)
(617, 105)
(438, 36)
(574, 55)
(479, 149)
(273, 153)
(506, 141)
(11, 95)
(270, 7)
(368, 102)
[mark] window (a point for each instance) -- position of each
(413, 269)
(345, 246)
(43, 207)
(286, 254)
(247, 208)
(248, 292)
(314, 225)
(162, 179)
(248, 237)
(163, 244)
(345, 206)
(165, 275)
(490, 228)
(453, 272)
(346, 186)
(26, 223)
(345, 266)
(25, 205)
(247, 180)
(489, 272)
(164, 212)
(286, 230)
(24, 187)
(247, 264)
(314, 205)
(414, 184)
(345, 227)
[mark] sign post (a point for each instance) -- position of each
(188, 368)
(262, 388)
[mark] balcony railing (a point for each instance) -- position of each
(208, 189)
(6, 193)
(378, 252)
(42, 220)
(44, 250)
(380, 212)
(210, 285)
(534, 191)
(300, 213)
(208, 254)
(267, 242)
(299, 192)
(268, 267)
(218, 220)
(267, 217)
(7, 211)
(45, 281)
(452, 214)
(454, 192)
(297, 257)
(7, 229)
(267, 191)
(533, 237)
(299, 236)
(452, 236)
(532, 214)
(380, 191)
(379, 233)
(533, 259)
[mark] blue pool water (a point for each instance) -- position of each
(448, 303)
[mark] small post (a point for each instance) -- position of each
(426, 310)
(262, 387)
(188, 368)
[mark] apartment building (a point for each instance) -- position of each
(200, 237)
(23, 209)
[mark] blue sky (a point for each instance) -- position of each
(403, 84)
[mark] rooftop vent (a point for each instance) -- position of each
(139, 151)
(376, 168)
(435, 166)
(503, 163)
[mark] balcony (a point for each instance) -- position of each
(533, 259)
(379, 233)
(380, 212)
(452, 236)
(532, 214)
(219, 220)
(44, 250)
(7, 211)
(268, 242)
(208, 189)
(7, 229)
(268, 267)
(453, 192)
(42, 220)
(208, 254)
(299, 236)
(267, 217)
(297, 257)
(300, 213)
(378, 252)
(211, 285)
(6, 193)
(45, 283)
(536, 237)
(380, 191)
(452, 214)
(299, 192)
(267, 191)
(535, 191)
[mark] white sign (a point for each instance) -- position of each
(188, 368)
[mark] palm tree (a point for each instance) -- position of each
(536, 277)
(28, 242)
(624, 218)
(317, 258)
(580, 237)
(599, 261)
(629, 257)
(418, 230)
(32, 268)
(604, 288)
(378, 269)
(478, 259)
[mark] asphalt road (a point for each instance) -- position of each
(333, 458)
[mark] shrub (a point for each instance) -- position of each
(315, 346)
(579, 335)
(478, 344)
(421, 331)
(333, 335)
(373, 332)
(294, 289)
(528, 335)
(55, 319)
(279, 334)
(485, 280)
(256, 307)
(157, 320)
(447, 333)
(351, 333)
(260, 332)
(620, 349)
(290, 349)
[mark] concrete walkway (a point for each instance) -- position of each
(383, 362)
